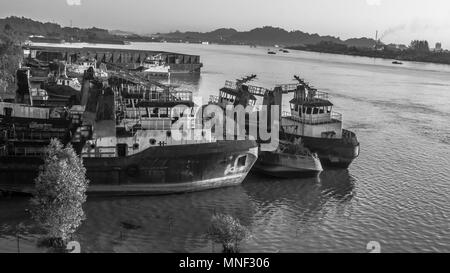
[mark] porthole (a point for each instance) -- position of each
(152, 141)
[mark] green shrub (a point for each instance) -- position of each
(60, 193)
(226, 230)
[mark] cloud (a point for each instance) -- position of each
(73, 2)
(373, 2)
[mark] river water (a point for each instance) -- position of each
(396, 193)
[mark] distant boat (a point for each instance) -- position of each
(271, 52)
(396, 62)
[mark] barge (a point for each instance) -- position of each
(130, 58)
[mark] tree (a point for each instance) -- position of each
(60, 193)
(10, 58)
(420, 46)
(227, 231)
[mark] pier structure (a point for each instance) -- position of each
(179, 63)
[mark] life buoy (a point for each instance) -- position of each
(132, 170)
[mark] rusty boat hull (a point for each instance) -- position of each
(154, 171)
(284, 165)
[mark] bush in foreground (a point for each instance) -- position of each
(60, 193)
(227, 230)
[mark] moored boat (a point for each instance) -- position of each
(311, 118)
(124, 134)
(288, 161)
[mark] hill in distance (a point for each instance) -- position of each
(264, 36)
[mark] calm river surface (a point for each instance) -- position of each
(397, 192)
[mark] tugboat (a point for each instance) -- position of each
(123, 131)
(320, 128)
(290, 159)
(311, 119)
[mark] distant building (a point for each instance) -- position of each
(438, 47)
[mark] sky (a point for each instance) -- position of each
(398, 21)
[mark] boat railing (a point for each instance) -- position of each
(230, 84)
(213, 99)
(156, 123)
(253, 89)
(314, 119)
(257, 90)
(289, 87)
(336, 116)
(36, 136)
(349, 137)
(311, 96)
(24, 151)
(163, 96)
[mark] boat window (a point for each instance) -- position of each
(7, 111)
(144, 112)
(328, 109)
(122, 149)
(296, 108)
(163, 112)
(241, 161)
(321, 110)
(315, 110)
(154, 112)
(308, 110)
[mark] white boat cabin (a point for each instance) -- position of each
(312, 115)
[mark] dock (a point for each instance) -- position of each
(179, 63)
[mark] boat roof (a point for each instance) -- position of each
(234, 92)
(311, 103)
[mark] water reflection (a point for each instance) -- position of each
(178, 223)
(175, 223)
(307, 193)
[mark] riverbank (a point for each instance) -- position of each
(401, 55)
